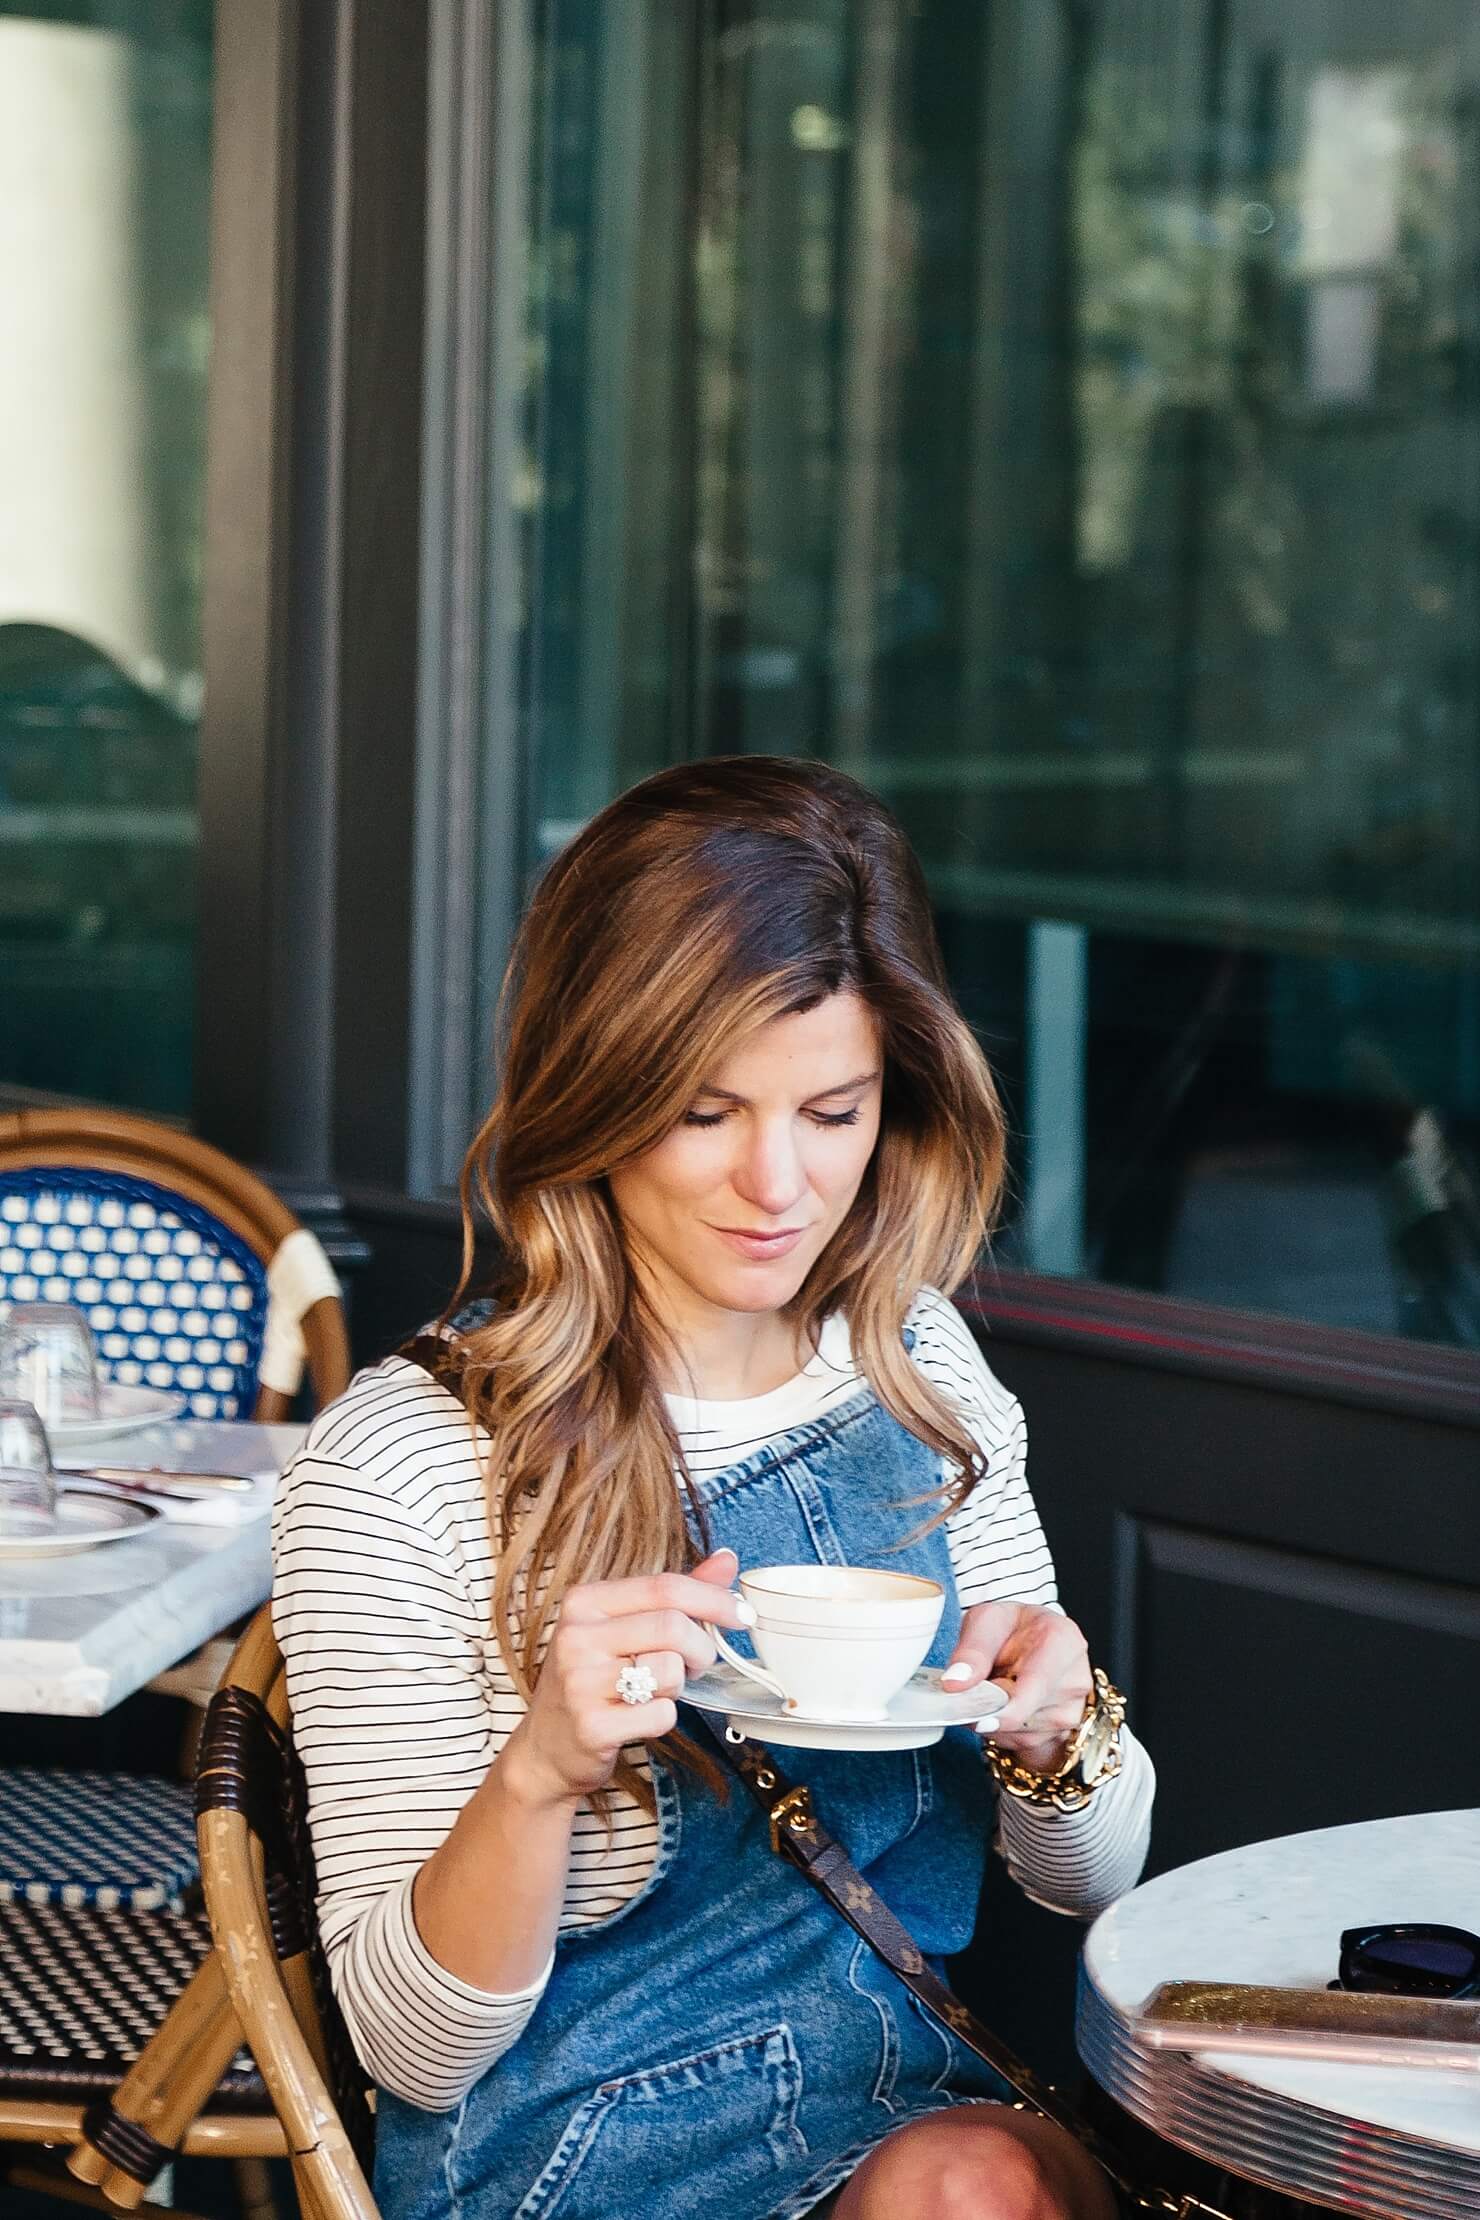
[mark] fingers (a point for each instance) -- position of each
(641, 1723)
(596, 1683)
(642, 1631)
(661, 1621)
(1039, 1659)
(984, 1630)
(615, 1599)
(966, 1668)
(603, 1718)
(579, 1723)
(1047, 1677)
(1028, 1696)
(667, 1667)
(1038, 1704)
(1041, 1729)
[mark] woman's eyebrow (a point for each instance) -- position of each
(844, 1087)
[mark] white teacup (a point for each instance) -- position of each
(836, 1641)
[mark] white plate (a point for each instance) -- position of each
(82, 1521)
(916, 1717)
(124, 1410)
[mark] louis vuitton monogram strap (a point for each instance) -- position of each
(798, 1835)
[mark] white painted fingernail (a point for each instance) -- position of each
(985, 1726)
(745, 1612)
(954, 1675)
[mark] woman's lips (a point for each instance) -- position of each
(761, 1245)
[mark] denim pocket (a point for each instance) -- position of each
(731, 2107)
(868, 1979)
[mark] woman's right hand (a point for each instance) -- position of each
(568, 1743)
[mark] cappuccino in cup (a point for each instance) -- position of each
(836, 1641)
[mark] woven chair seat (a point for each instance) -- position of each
(81, 1992)
(119, 1841)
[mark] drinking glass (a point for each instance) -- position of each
(47, 1359)
(28, 1489)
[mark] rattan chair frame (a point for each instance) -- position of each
(117, 1141)
(160, 2106)
(271, 1988)
(245, 1990)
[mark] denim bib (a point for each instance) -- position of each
(723, 2044)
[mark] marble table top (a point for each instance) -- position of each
(79, 1633)
(1383, 2140)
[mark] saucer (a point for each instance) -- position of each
(82, 1521)
(122, 1410)
(912, 1720)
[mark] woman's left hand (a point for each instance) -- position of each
(1042, 1660)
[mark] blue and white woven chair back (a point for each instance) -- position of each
(176, 1300)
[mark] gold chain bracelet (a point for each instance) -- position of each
(1093, 1755)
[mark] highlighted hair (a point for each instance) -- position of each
(702, 903)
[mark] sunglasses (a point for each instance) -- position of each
(1411, 1960)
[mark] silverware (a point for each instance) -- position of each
(154, 1480)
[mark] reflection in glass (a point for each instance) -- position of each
(105, 109)
(1067, 419)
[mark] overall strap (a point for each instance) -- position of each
(799, 1836)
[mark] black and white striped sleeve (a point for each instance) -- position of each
(391, 1717)
(1072, 1862)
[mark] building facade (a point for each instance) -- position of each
(424, 420)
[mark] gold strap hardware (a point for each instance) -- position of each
(792, 1811)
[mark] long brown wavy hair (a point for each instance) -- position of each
(702, 903)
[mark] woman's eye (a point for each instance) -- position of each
(818, 1117)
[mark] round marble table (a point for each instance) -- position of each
(1398, 2143)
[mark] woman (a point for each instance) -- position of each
(742, 1142)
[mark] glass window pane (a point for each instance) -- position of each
(105, 125)
(1068, 420)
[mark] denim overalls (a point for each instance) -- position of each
(724, 2045)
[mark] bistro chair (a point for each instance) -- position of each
(265, 1977)
(258, 1971)
(194, 1278)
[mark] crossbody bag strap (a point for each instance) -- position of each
(799, 1836)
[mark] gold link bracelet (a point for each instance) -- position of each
(1093, 1756)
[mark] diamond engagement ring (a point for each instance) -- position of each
(635, 1684)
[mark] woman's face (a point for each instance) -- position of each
(773, 1147)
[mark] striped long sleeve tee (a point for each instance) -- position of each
(383, 1579)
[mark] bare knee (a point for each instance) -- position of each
(971, 2164)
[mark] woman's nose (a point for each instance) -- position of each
(769, 1174)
